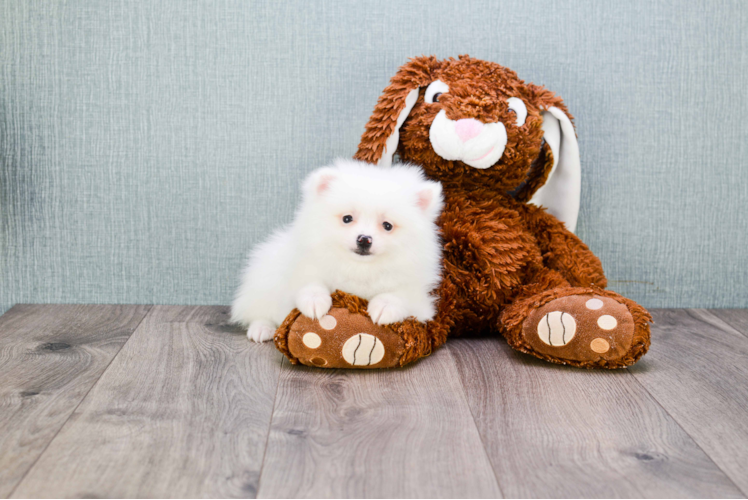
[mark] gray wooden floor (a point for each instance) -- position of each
(170, 401)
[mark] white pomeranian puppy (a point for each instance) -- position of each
(360, 229)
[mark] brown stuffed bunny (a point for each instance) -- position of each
(503, 149)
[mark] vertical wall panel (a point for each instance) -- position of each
(145, 146)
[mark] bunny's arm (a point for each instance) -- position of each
(563, 251)
(487, 247)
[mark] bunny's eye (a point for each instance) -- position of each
(434, 90)
(518, 107)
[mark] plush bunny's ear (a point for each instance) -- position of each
(390, 144)
(561, 191)
(379, 142)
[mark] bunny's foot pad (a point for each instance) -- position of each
(340, 339)
(595, 329)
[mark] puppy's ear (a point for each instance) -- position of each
(429, 199)
(318, 182)
(379, 141)
(555, 178)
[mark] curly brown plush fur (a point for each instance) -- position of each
(503, 258)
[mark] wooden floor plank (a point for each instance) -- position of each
(555, 431)
(388, 433)
(183, 411)
(736, 318)
(50, 357)
(697, 369)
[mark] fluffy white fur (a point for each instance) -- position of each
(302, 264)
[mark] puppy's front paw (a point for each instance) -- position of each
(385, 309)
(313, 302)
(260, 331)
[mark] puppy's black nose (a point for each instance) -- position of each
(363, 242)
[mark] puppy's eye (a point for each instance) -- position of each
(434, 90)
(387, 226)
(347, 219)
(518, 107)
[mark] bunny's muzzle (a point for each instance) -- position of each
(477, 144)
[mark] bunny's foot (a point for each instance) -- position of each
(583, 327)
(347, 338)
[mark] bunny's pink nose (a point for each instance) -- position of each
(467, 128)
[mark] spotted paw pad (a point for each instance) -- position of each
(342, 339)
(583, 327)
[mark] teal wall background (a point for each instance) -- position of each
(145, 146)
